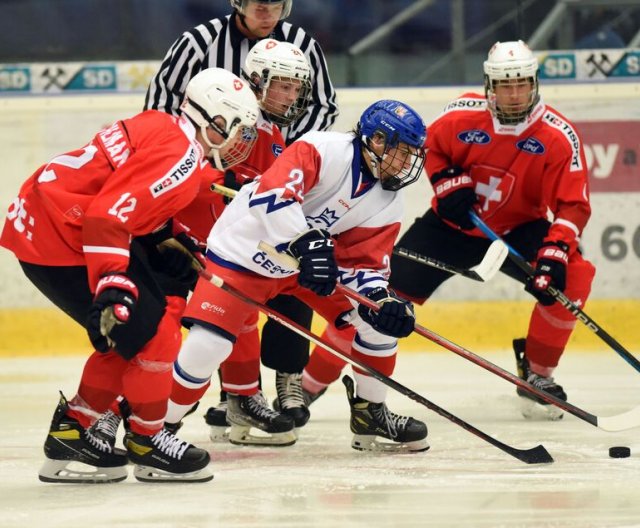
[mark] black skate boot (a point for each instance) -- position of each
(175, 427)
(247, 412)
(370, 420)
(216, 419)
(290, 400)
(532, 407)
(163, 457)
(77, 455)
(310, 397)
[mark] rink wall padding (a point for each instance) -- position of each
(478, 326)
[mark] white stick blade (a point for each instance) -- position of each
(620, 422)
(492, 261)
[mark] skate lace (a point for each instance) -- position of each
(170, 444)
(542, 383)
(289, 388)
(394, 423)
(102, 434)
(259, 406)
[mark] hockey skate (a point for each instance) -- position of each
(216, 418)
(371, 421)
(254, 423)
(290, 400)
(163, 457)
(77, 455)
(532, 407)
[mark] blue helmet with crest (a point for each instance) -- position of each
(398, 124)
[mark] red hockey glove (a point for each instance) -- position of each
(394, 318)
(114, 302)
(318, 268)
(455, 195)
(551, 270)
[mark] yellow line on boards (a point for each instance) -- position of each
(478, 326)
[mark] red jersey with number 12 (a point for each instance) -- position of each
(83, 207)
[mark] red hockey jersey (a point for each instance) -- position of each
(83, 207)
(200, 215)
(520, 172)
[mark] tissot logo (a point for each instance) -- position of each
(474, 137)
(531, 145)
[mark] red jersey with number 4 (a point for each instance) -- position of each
(83, 207)
(519, 172)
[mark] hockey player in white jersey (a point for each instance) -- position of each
(330, 201)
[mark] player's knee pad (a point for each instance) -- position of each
(202, 352)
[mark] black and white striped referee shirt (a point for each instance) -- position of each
(218, 43)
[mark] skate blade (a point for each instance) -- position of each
(73, 472)
(218, 433)
(379, 445)
(246, 435)
(534, 411)
(150, 474)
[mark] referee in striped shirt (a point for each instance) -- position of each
(224, 43)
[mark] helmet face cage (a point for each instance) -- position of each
(511, 64)
(241, 5)
(404, 134)
(218, 99)
(270, 60)
(234, 150)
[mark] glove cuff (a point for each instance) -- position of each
(118, 281)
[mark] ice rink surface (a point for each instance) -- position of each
(461, 481)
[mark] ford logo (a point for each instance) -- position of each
(531, 145)
(474, 137)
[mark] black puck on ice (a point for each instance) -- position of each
(619, 452)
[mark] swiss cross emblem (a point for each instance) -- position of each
(493, 187)
(542, 282)
(271, 44)
(237, 84)
(121, 312)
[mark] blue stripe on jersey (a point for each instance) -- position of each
(270, 202)
(361, 178)
(225, 263)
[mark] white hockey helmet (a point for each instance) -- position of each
(510, 62)
(215, 93)
(241, 5)
(271, 59)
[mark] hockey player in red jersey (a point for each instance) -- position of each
(278, 73)
(514, 159)
(330, 201)
(71, 228)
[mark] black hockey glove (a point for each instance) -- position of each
(318, 269)
(180, 257)
(114, 302)
(394, 318)
(455, 195)
(551, 270)
(231, 182)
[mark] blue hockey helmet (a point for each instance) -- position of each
(398, 124)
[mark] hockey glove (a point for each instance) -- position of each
(181, 258)
(318, 269)
(114, 302)
(551, 270)
(394, 318)
(455, 196)
(231, 182)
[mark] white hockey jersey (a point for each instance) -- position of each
(320, 181)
